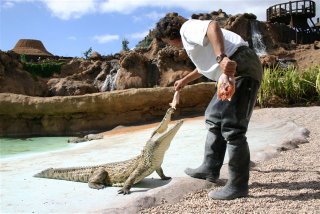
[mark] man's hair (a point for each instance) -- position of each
(169, 26)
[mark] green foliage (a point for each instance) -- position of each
(290, 85)
(87, 53)
(318, 81)
(23, 58)
(145, 43)
(125, 44)
(45, 69)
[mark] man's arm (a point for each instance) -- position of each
(216, 39)
(179, 84)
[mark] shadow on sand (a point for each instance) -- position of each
(292, 186)
(149, 183)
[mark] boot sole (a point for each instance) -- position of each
(210, 179)
(228, 197)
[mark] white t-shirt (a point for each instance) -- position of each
(197, 45)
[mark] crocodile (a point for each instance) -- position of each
(125, 173)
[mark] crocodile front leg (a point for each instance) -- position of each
(98, 179)
(161, 174)
(135, 175)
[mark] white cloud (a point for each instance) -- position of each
(10, 3)
(137, 18)
(155, 15)
(7, 4)
(68, 9)
(194, 6)
(63, 9)
(101, 39)
(72, 38)
(139, 35)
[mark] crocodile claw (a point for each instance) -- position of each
(124, 191)
(166, 178)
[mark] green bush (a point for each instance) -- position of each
(146, 42)
(290, 86)
(87, 53)
(23, 58)
(125, 44)
(318, 81)
(45, 69)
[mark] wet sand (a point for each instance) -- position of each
(134, 128)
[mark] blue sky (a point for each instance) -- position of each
(70, 27)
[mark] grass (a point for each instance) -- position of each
(290, 86)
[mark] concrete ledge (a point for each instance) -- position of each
(37, 116)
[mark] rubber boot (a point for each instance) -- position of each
(215, 149)
(237, 185)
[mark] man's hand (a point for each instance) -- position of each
(228, 66)
(179, 84)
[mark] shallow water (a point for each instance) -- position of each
(191, 137)
(12, 147)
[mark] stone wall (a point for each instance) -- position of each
(22, 115)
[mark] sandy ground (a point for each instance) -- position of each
(288, 183)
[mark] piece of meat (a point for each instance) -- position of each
(226, 87)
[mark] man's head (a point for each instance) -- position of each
(168, 29)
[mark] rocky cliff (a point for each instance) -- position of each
(152, 64)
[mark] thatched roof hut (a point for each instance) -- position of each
(31, 47)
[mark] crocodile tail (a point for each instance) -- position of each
(65, 174)
(48, 173)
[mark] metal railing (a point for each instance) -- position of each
(304, 8)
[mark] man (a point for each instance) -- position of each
(219, 53)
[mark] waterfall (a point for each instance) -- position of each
(110, 81)
(257, 42)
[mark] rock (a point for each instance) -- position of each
(72, 67)
(239, 24)
(85, 76)
(22, 115)
(173, 64)
(286, 63)
(153, 50)
(269, 61)
(168, 78)
(278, 34)
(219, 16)
(69, 87)
(132, 72)
(76, 140)
(13, 79)
(95, 56)
(250, 16)
(86, 138)
(90, 69)
(316, 45)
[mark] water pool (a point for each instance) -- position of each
(11, 147)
